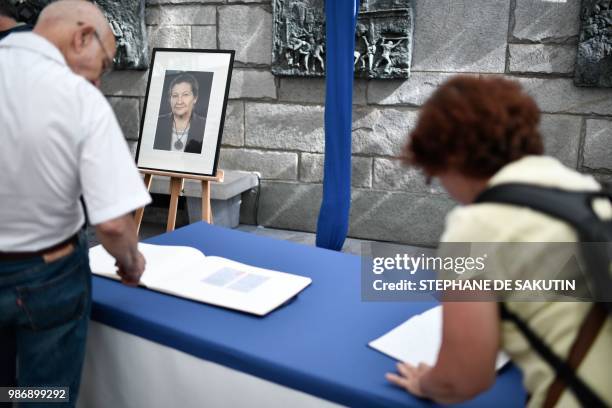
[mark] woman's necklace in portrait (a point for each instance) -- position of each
(178, 145)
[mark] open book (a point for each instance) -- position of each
(418, 340)
(188, 273)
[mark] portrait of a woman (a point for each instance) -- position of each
(181, 130)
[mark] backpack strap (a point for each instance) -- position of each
(566, 371)
(590, 328)
(576, 210)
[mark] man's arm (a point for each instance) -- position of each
(118, 236)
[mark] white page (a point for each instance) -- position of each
(418, 340)
(227, 283)
(162, 262)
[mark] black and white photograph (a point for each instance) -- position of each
(184, 111)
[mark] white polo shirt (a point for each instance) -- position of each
(59, 138)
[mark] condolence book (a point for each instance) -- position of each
(418, 340)
(186, 272)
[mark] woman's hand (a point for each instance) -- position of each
(466, 362)
(409, 377)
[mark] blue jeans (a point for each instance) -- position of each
(44, 311)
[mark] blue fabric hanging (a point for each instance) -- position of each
(333, 222)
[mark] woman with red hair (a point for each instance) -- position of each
(472, 134)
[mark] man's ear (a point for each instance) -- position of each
(83, 36)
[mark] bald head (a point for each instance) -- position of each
(72, 11)
(80, 31)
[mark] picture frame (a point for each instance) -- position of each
(184, 111)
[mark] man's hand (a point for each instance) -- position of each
(130, 275)
(118, 236)
(409, 377)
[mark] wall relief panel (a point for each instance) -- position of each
(127, 21)
(594, 57)
(383, 38)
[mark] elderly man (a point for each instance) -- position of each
(60, 141)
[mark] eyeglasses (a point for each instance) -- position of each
(108, 61)
(107, 64)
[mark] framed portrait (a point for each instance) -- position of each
(184, 111)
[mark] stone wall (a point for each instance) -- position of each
(275, 125)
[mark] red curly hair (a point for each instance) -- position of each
(474, 125)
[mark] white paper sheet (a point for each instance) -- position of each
(418, 340)
(162, 262)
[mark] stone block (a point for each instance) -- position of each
(390, 174)
(546, 21)
(271, 165)
(408, 218)
(561, 134)
(413, 92)
(233, 130)
(360, 87)
(125, 83)
(248, 30)
(381, 131)
(252, 84)
(361, 172)
(541, 58)
(561, 96)
(460, 36)
(311, 169)
(312, 90)
(598, 145)
(281, 126)
(204, 37)
(290, 205)
(169, 36)
(180, 15)
(127, 111)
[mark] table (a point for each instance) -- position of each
(316, 345)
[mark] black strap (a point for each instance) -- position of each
(583, 392)
(85, 214)
(576, 208)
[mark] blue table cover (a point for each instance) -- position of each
(316, 344)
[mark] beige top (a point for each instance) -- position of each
(557, 323)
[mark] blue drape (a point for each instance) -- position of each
(333, 222)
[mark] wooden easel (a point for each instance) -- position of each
(176, 186)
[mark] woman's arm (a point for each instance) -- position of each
(466, 362)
